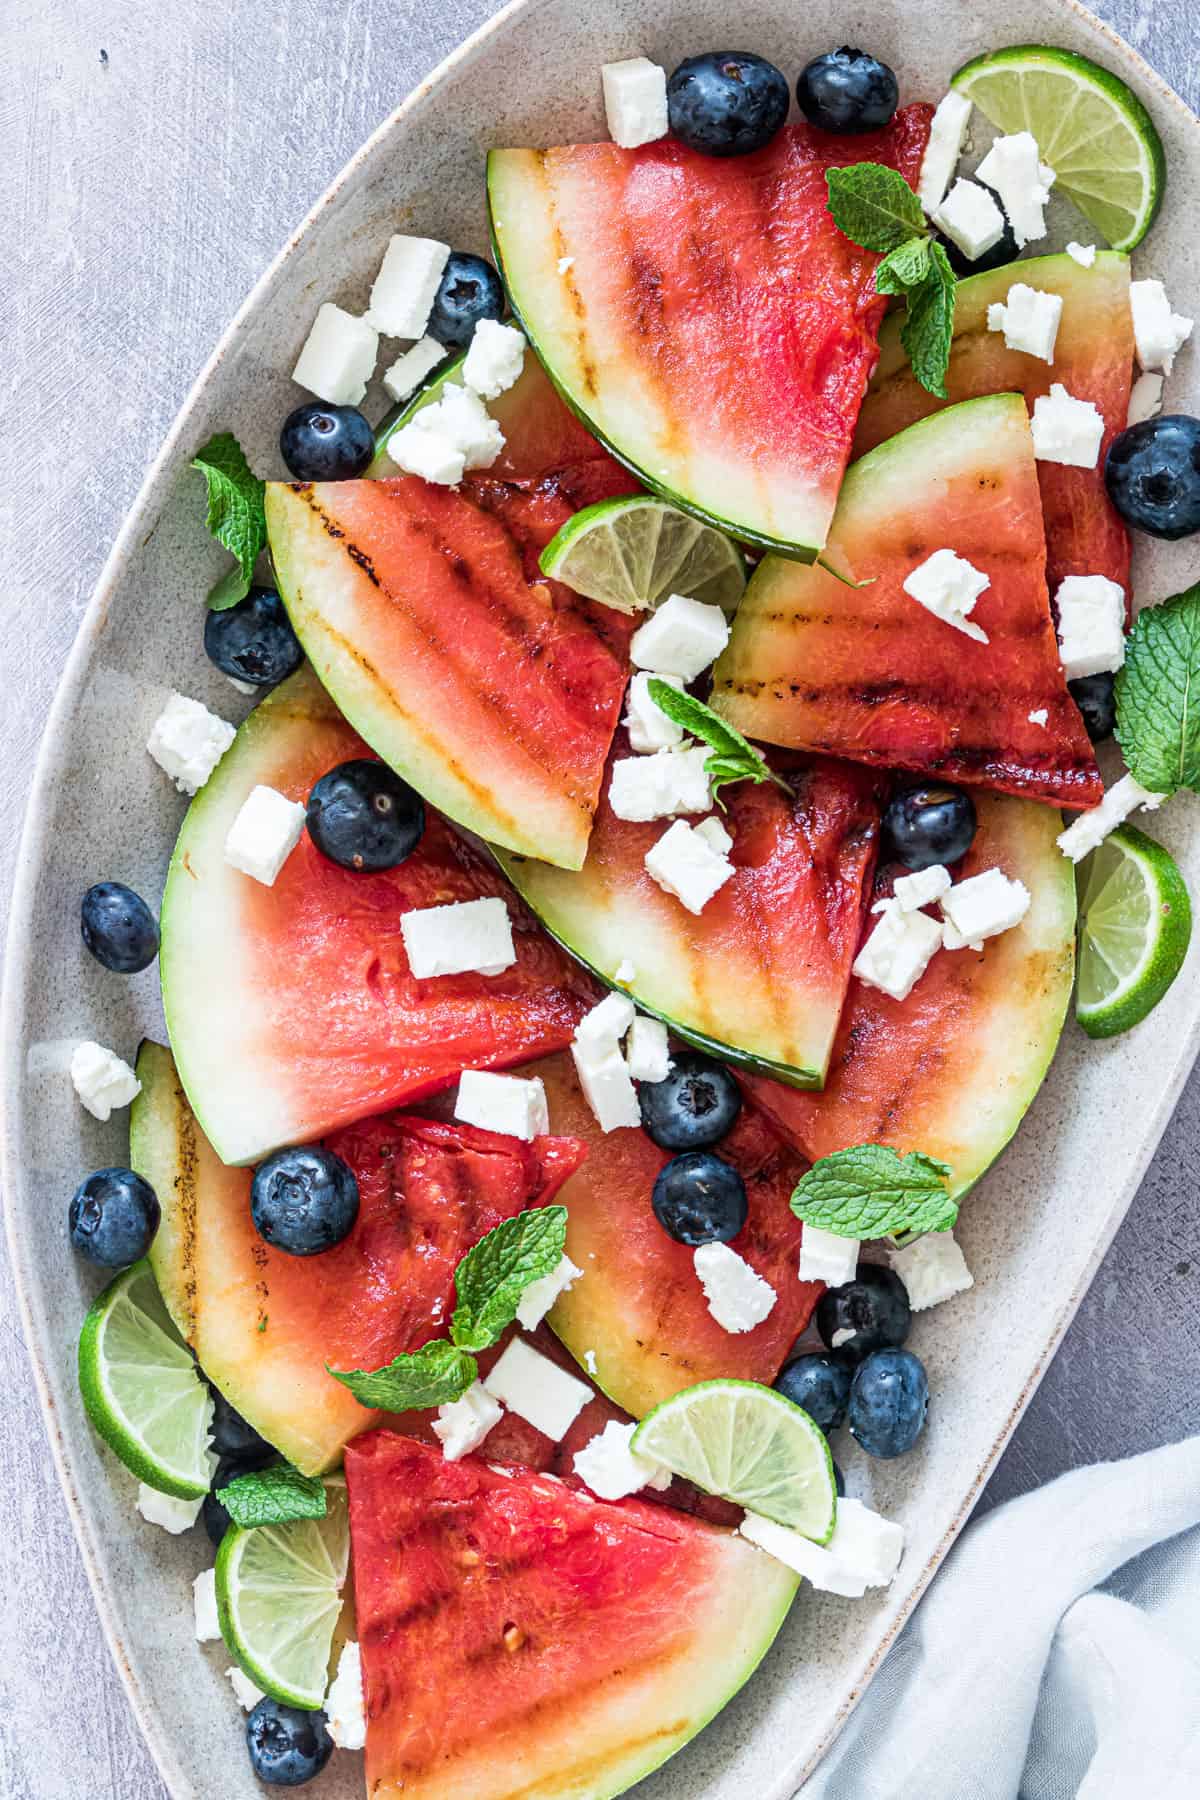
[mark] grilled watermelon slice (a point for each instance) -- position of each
(263, 1324)
(760, 977)
(1093, 358)
(290, 1008)
(704, 316)
(583, 1642)
(953, 1069)
(869, 674)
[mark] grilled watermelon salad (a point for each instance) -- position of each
(639, 906)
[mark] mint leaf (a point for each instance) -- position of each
(236, 514)
(874, 206)
(906, 267)
(928, 331)
(871, 1192)
(273, 1497)
(494, 1274)
(733, 759)
(1158, 695)
(431, 1376)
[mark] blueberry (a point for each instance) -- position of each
(303, 1200)
(928, 822)
(1006, 251)
(888, 1402)
(231, 1435)
(287, 1746)
(326, 443)
(694, 1108)
(847, 91)
(1152, 473)
(470, 290)
(1095, 696)
(113, 1218)
(216, 1519)
(362, 816)
(698, 1199)
(118, 928)
(253, 641)
(726, 103)
(873, 1308)
(820, 1384)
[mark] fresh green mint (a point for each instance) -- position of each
(874, 206)
(871, 1192)
(432, 1376)
(494, 1274)
(273, 1497)
(1158, 695)
(236, 514)
(732, 759)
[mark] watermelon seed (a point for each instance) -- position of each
(514, 1638)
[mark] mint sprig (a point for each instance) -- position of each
(236, 514)
(493, 1275)
(732, 759)
(273, 1497)
(432, 1376)
(1158, 695)
(870, 1191)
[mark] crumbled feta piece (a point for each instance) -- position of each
(922, 889)
(248, 1696)
(1091, 625)
(461, 1425)
(1145, 399)
(409, 371)
(948, 586)
(466, 936)
(1015, 170)
(266, 830)
(564, 263)
(165, 1510)
(898, 951)
(103, 1082)
(1091, 828)
(612, 1470)
(589, 1362)
(494, 359)
(626, 972)
(738, 1297)
(243, 687)
(648, 725)
(1039, 717)
(933, 1269)
(607, 1022)
(338, 358)
(946, 134)
(431, 455)
(970, 218)
(635, 101)
(845, 1334)
(985, 905)
(1029, 319)
(953, 939)
(1083, 254)
(607, 1087)
(714, 835)
(187, 742)
(406, 286)
(541, 1295)
(646, 1053)
(864, 1551)
(204, 1606)
(660, 786)
(537, 1390)
(509, 1104)
(1158, 333)
(826, 1257)
(345, 1704)
(460, 418)
(1066, 430)
(684, 864)
(681, 638)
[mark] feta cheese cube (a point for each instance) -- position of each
(345, 1704)
(607, 1088)
(738, 1297)
(948, 586)
(985, 905)
(1083, 254)
(646, 1053)
(537, 1390)
(1015, 170)
(635, 101)
(509, 1104)
(864, 1551)
(1158, 333)
(1029, 319)
(461, 419)
(660, 786)
(1091, 625)
(824, 1256)
(1091, 828)
(338, 358)
(898, 951)
(607, 1022)
(494, 359)
(648, 725)
(684, 864)
(953, 939)
(714, 835)
(248, 1696)
(204, 1606)
(266, 830)
(467, 936)
(430, 454)
(626, 972)
(612, 1470)
(932, 1270)
(187, 742)
(103, 1082)
(1040, 717)
(540, 1296)
(409, 370)
(970, 217)
(461, 1425)
(173, 1515)
(1145, 399)
(946, 134)
(682, 637)
(406, 286)
(915, 891)
(1066, 430)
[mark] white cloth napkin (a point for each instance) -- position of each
(1056, 1656)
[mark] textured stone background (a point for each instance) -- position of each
(156, 153)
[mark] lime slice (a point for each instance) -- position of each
(279, 1597)
(1135, 922)
(1092, 130)
(142, 1389)
(749, 1445)
(632, 552)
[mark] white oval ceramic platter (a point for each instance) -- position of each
(1036, 1228)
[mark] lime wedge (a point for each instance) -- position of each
(142, 1389)
(279, 1595)
(1092, 130)
(632, 552)
(749, 1445)
(1135, 922)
